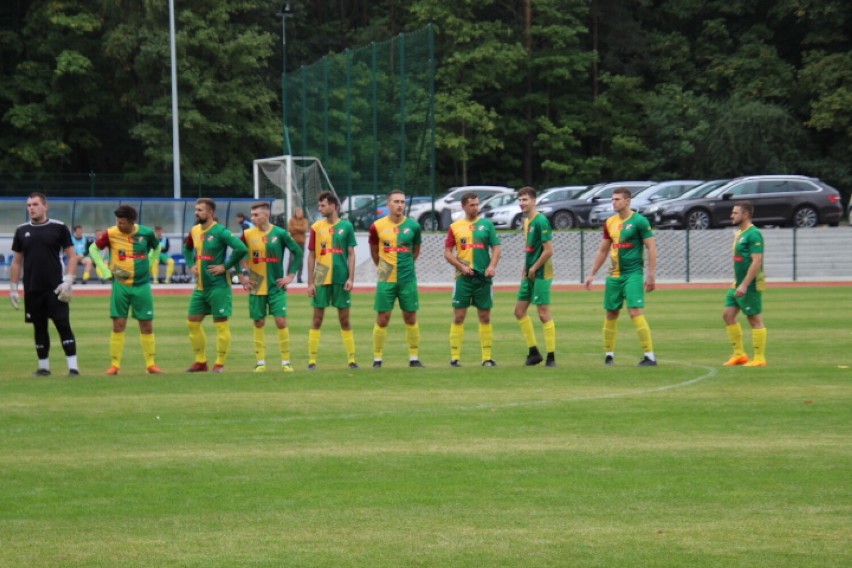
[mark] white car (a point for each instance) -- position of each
(509, 216)
(493, 202)
(432, 217)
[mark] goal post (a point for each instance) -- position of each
(290, 182)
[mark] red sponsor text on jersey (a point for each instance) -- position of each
(123, 255)
(259, 259)
(397, 249)
(206, 257)
(330, 251)
(623, 245)
(529, 249)
(738, 259)
(473, 246)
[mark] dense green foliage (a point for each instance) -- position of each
(544, 92)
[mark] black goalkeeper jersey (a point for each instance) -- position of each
(42, 246)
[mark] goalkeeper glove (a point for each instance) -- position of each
(63, 291)
(14, 297)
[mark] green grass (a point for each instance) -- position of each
(686, 464)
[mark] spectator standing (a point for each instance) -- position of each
(298, 227)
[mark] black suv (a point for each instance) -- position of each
(573, 213)
(787, 200)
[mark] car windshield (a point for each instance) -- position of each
(704, 189)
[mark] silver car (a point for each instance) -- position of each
(654, 194)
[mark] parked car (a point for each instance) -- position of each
(573, 213)
(376, 208)
(509, 216)
(435, 219)
(490, 203)
(653, 194)
(702, 190)
(787, 200)
(354, 202)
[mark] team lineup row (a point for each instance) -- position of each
(472, 247)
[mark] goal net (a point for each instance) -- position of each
(290, 182)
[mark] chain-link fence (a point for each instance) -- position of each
(368, 115)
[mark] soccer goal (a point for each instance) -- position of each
(290, 182)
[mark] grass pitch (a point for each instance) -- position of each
(686, 464)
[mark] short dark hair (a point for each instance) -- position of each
(745, 207)
(125, 212)
(330, 197)
(393, 191)
(623, 191)
(256, 205)
(158, 228)
(39, 195)
(75, 227)
(527, 190)
(467, 197)
(242, 215)
(206, 201)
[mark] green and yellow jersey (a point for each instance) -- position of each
(396, 242)
(128, 253)
(537, 231)
(627, 253)
(266, 257)
(748, 242)
(330, 245)
(205, 247)
(473, 241)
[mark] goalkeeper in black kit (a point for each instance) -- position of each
(38, 246)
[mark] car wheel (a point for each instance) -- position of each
(697, 220)
(429, 222)
(564, 220)
(517, 222)
(805, 217)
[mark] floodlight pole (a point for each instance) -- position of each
(284, 14)
(175, 135)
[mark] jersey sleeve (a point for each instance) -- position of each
(543, 228)
(296, 250)
(645, 230)
(102, 242)
(418, 234)
(350, 236)
(312, 239)
(238, 248)
(493, 235)
(16, 242)
(65, 237)
(756, 243)
(374, 235)
(450, 241)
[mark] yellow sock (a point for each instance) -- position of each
(550, 336)
(758, 339)
(223, 341)
(284, 344)
(313, 345)
(86, 276)
(644, 332)
(155, 271)
(349, 344)
(149, 348)
(116, 347)
(259, 340)
(486, 340)
(610, 329)
(170, 270)
(412, 335)
(456, 339)
(198, 340)
(380, 334)
(735, 336)
(528, 331)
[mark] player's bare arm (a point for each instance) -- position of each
(650, 278)
(600, 258)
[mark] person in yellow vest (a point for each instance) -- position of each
(331, 274)
(163, 257)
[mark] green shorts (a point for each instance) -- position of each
(388, 292)
(751, 304)
(138, 298)
(537, 291)
(630, 287)
(273, 304)
(473, 292)
(215, 302)
(332, 295)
